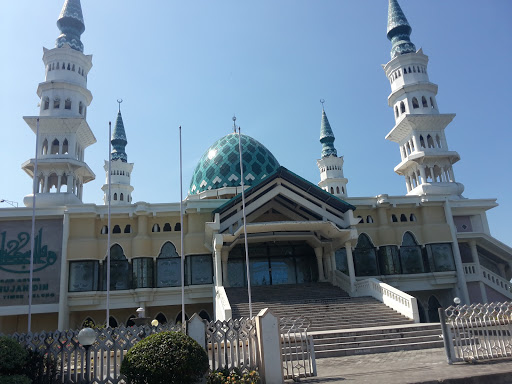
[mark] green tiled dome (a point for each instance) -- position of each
(220, 165)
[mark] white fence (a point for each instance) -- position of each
(297, 348)
(477, 331)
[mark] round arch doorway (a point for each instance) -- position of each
(273, 264)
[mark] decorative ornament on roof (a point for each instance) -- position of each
(399, 31)
(71, 24)
(326, 135)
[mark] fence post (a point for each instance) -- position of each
(197, 329)
(270, 359)
(447, 336)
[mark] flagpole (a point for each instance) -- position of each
(182, 245)
(35, 188)
(109, 230)
(245, 224)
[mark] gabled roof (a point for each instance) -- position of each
(297, 181)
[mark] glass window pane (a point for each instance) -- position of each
(119, 275)
(365, 262)
(201, 269)
(260, 275)
(411, 260)
(143, 272)
(283, 271)
(236, 272)
(442, 256)
(168, 272)
(389, 263)
(83, 276)
(341, 260)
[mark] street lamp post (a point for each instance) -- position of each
(87, 337)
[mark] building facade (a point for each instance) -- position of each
(430, 242)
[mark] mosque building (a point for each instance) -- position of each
(431, 242)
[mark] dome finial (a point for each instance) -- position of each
(119, 101)
(399, 30)
(71, 24)
(234, 122)
(326, 135)
(322, 101)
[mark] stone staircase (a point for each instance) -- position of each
(340, 325)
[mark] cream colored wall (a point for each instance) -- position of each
(430, 225)
(19, 323)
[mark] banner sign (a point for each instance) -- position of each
(15, 262)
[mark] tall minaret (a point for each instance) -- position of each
(63, 130)
(330, 165)
(120, 188)
(426, 162)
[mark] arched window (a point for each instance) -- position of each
(167, 227)
(338, 190)
(177, 227)
(112, 322)
(414, 69)
(438, 141)
(128, 228)
(179, 318)
(393, 218)
(117, 229)
(168, 267)
(46, 103)
(119, 269)
(432, 105)
(73, 68)
(69, 67)
(410, 255)
(424, 102)
(104, 230)
(115, 196)
(365, 258)
(88, 323)
(56, 103)
(369, 219)
(130, 322)
(412, 217)
(422, 141)
(80, 108)
(204, 315)
(343, 190)
(430, 142)
(415, 103)
(332, 190)
(121, 197)
(67, 104)
(156, 228)
(45, 147)
(55, 147)
(403, 218)
(65, 148)
(402, 107)
(361, 221)
(161, 318)
(58, 66)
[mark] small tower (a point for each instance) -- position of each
(120, 188)
(63, 130)
(426, 162)
(330, 165)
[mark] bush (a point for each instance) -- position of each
(41, 369)
(15, 379)
(165, 358)
(236, 377)
(13, 357)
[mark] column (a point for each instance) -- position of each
(45, 186)
(217, 245)
(63, 318)
(452, 176)
(478, 267)
(350, 262)
(423, 175)
(70, 183)
(415, 143)
(59, 181)
(225, 275)
(328, 266)
(432, 174)
(408, 183)
(332, 256)
(319, 261)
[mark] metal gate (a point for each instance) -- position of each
(297, 347)
(477, 331)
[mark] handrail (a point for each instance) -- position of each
(222, 307)
(488, 277)
(394, 298)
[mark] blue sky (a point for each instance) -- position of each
(195, 63)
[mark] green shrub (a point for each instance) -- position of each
(41, 369)
(13, 357)
(15, 379)
(235, 377)
(165, 358)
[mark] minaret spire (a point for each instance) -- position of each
(119, 138)
(399, 30)
(71, 24)
(330, 165)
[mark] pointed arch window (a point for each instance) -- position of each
(403, 218)
(430, 142)
(55, 147)
(179, 318)
(415, 104)
(65, 146)
(115, 196)
(413, 217)
(167, 227)
(156, 228)
(56, 103)
(45, 147)
(80, 108)
(119, 269)
(168, 267)
(121, 197)
(117, 229)
(161, 318)
(422, 141)
(177, 227)
(369, 219)
(104, 230)
(67, 104)
(402, 107)
(338, 190)
(130, 322)
(411, 258)
(128, 228)
(204, 315)
(112, 322)
(365, 257)
(46, 103)
(424, 102)
(396, 112)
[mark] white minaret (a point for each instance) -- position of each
(63, 130)
(426, 162)
(120, 187)
(330, 165)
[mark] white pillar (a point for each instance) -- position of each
(423, 174)
(270, 362)
(217, 244)
(63, 319)
(59, 182)
(408, 183)
(319, 261)
(225, 276)
(350, 263)
(478, 267)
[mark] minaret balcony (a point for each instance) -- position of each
(427, 156)
(418, 123)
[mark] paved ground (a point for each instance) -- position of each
(424, 366)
